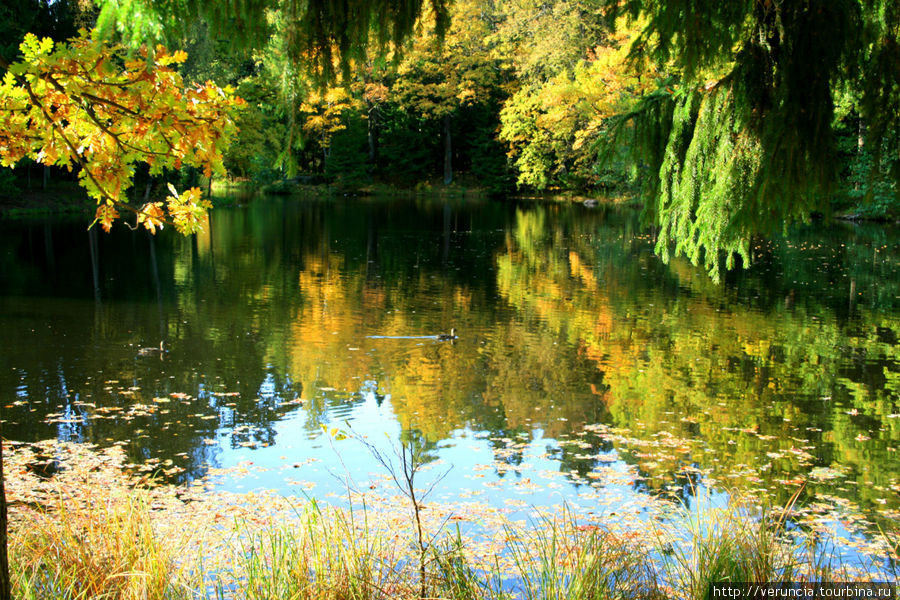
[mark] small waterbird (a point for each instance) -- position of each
(447, 336)
(151, 351)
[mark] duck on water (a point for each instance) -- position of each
(441, 337)
(152, 351)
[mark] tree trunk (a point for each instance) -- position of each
(5, 583)
(861, 135)
(448, 152)
(46, 176)
(860, 146)
(373, 134)
(95, 262)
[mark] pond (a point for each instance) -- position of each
(585, 370)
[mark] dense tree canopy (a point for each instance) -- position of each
(318, 32)
(732, 119)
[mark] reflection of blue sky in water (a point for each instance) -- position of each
(322, 463)
(314, 464)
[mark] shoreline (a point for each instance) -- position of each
(95, 522)
(68, 198)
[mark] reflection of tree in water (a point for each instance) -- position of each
(582, 457)
(508, 447)
(422, 448)
(567, 319)
(110, 392)
(775, 373)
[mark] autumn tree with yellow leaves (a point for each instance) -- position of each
(91, 106)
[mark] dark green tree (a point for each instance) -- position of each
(739, 141)
(59, 20)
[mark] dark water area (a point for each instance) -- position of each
(580, 356)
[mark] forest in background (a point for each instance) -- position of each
(515, 95)
(726, 121)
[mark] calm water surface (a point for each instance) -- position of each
(581, 357)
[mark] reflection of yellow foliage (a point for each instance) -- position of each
(684, 366)
(586, 340)
(433, 385)
(204, 237)
(429, 383)
(580, 270)
(463, 298)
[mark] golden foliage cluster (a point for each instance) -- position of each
(90, 105)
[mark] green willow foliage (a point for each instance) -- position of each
(879, 66)
(320, 33)
(740, 141)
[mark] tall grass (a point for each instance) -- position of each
(323, 555)
(740, 542)
(556, 559)
(93, 545)
(109, 542)
(559, 559)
